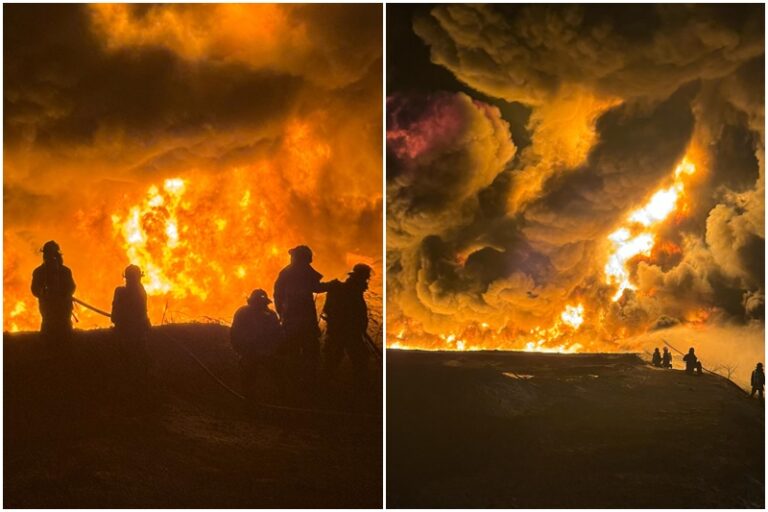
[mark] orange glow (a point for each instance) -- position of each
(557, 338)
(252, 32)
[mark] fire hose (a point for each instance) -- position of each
(227, 388)
(92, 308)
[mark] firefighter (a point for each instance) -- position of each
(666, 358)
(758, 381)
(346, 315)
(129, 315)
(258, 338)
(53, 285)
(295, 304)
(692, 363)
(656, 359)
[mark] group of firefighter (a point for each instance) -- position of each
(693, 366)
(279, 350)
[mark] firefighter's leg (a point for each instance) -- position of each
(312, 351)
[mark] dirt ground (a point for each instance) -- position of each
(520, 430)
(76, 434)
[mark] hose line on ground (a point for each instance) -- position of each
(227, 388)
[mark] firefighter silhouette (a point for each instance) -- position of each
(666, 358)
(656, 359)
(129, 314)
(53, 285)
(758, 381)
(259, 340)
(692, 363)
(346, 316)
(295, 304)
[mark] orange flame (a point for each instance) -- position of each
(204, 240)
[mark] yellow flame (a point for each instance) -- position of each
(159, 209)
(573, 315)
(637, 237)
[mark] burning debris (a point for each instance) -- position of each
(585, 176)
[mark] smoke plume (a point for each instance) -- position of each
(633, 203)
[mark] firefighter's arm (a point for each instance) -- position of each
(115, 306)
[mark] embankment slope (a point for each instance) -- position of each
(520, 430)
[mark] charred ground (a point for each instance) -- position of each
(76, 436)
(506, 429)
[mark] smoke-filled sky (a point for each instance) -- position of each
(199, 141)
(563, 174)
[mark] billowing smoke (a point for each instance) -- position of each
(198, 141)
(633, 202)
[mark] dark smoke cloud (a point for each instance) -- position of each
(528, 52)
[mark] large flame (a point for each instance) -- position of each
(205, 239)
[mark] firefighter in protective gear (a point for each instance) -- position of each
(53, 285)
(129, 315)
(656, 359)
(666, 358)
(692, 363)
(346, 315)
(295, 304)
(258, 338)
(758, 381)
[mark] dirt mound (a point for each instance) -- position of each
(520, 430)
(77, 435)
